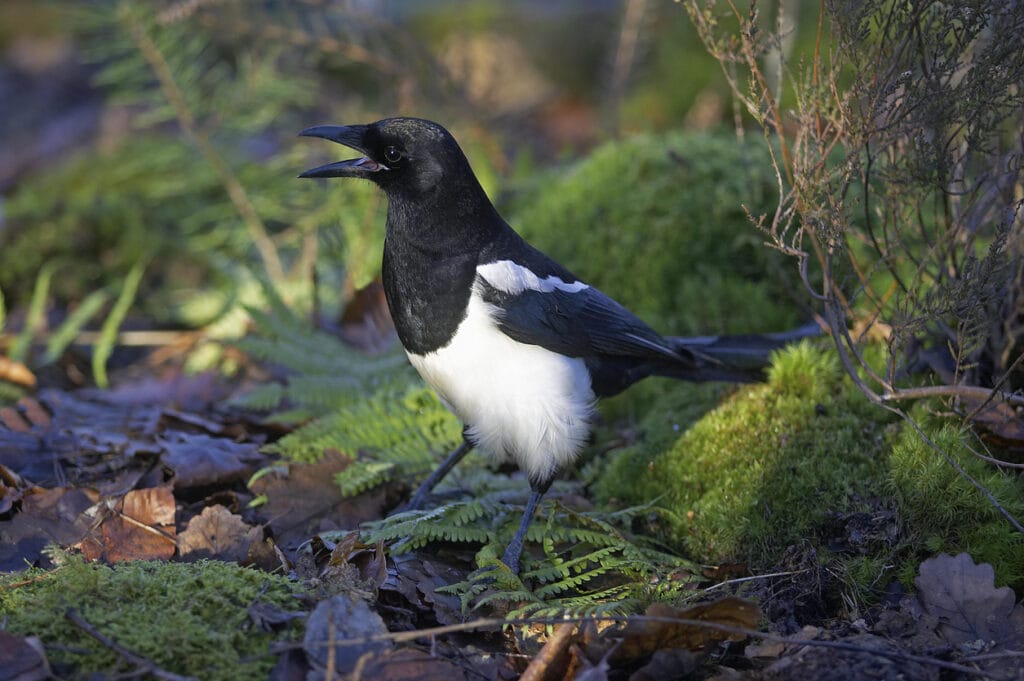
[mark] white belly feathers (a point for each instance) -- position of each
(520, 402)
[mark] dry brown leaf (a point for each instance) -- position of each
(552, 660)
(1000, 422)
(218, 533)
(306, 501)
(645, 636)
(35, 412)
(48, 516)
(974, 616)
(366, 322)
(140, 527)
(410, 664)
(667, 664)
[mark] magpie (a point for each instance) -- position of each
(517, 346)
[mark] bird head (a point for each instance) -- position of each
(406, 157)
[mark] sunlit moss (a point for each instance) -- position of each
(191, 619)
(774, 462)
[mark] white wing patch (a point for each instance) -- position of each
(513, 279)
(521, 402)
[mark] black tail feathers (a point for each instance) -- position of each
(739, 359)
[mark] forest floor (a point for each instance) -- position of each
(162, 468)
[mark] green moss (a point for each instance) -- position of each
(763, 469)
(187, 618)
(657, 222)
(767, 468)
(945, 512)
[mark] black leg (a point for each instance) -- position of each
(514, 550)
(446, 466)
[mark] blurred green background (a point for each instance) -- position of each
(163, 134)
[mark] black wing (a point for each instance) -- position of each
(583, 323)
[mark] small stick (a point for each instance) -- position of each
(555, 647)
(143, 665)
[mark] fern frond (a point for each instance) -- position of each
(360, 476)
(414, 529)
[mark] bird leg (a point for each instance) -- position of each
(514, 550)
(423, 491)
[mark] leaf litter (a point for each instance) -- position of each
(161, 468)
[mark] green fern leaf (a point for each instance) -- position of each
(363, 475)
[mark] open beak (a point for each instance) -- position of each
(351, 136)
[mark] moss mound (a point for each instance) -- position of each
(657, 222)
(764, 469)
(776, 463)
(191, 619)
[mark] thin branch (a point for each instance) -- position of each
(236, 192)
(142, 665)
(496, 623)
(996, 390)
(969, 391)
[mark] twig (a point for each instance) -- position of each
(976, 392)
(552, 650)
(996, 389)
(143, 666)
(493, 622)
(990, 459)
(236, 192)
(740, 580)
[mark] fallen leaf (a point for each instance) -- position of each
(48, 516)
(366, 322)
(553, 659)
(200, 461)
(349, 621)
(306, 501)
(22, 659)
(177, 389)
(417, 581)
(999, 422)
(291, 665)
(642, 637)
(140, 526)
(269, 617)
(973, 614)
(411, 664)
(218, 533)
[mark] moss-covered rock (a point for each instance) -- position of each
(658, 223)
(189, 618)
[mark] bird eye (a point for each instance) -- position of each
(392, 154)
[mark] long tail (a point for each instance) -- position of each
(738, 359)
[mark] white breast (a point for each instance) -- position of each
(520, 402)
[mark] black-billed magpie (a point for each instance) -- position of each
(516, 345)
